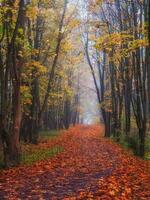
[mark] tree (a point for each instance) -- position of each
(10, 87)
(121, 36)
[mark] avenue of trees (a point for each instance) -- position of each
(36, 80)
(42, 46)
(118, 32)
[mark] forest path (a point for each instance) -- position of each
(90, 167)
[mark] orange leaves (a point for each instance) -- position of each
(90, 168)
(112, 193)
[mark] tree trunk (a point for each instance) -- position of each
(142, 142)
(12, 147)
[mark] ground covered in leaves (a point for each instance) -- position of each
(89, 167)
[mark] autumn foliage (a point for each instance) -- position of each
(90, 167)
(65, 64)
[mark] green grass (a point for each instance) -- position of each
(40, 155)
(132, 143)
(31, 156)
(147, 145)
(31, 153)
(49, 134)
(147, 156)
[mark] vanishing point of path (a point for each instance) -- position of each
(90, 167)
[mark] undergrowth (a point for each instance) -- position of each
(30, 153)
(132, 143)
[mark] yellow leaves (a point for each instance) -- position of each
(74, 59)
(113, 40)
(35, 68)
(99, 2)
(133, 45)
(20, 53)
(39, 67)
(25, 95)
(120, 45)
(73, 23)
(61, 74)
(34, 52)
(33, 9)
(31, 12)
(69, 92)
(66, 46)
(55, 95)
(24, 89)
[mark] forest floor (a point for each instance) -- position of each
(89, 167)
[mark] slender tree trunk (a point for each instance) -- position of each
(12, 151)
(142, 142)
(14, 65)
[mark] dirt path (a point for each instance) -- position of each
(90, 167)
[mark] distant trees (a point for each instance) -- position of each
(119, 34)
